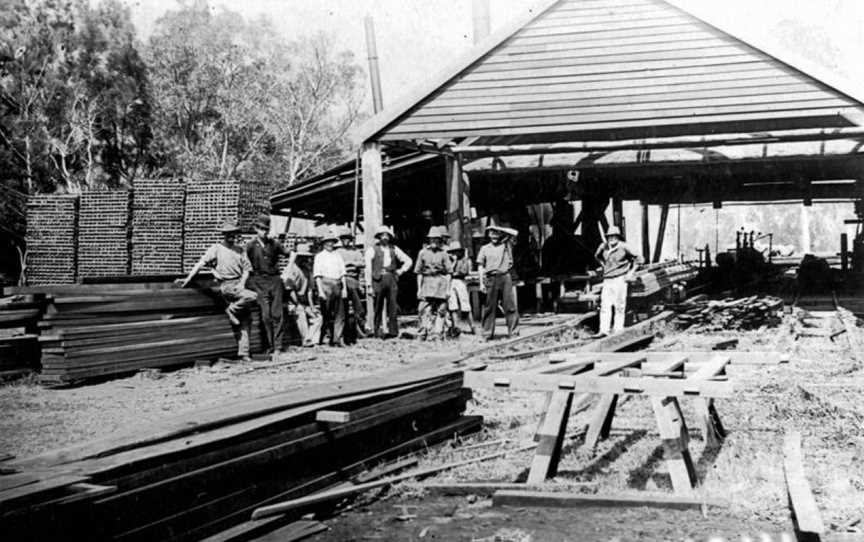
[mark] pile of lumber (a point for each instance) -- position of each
(208, 205)
(729, 314)
(157, 226)
(658, 277)
(95, 330)
(103, 233)
(52, 239)
(19, 351)
(202, 474)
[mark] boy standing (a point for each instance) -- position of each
(459, 302)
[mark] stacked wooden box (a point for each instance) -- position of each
(103, 233)
(195, 475)
(157, 226)
(52, 243)
(208, 205)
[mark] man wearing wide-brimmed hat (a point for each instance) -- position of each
(459, 302)
(619, 264)
(263, 253)
(354, 263)
(385, 263)
(433, 270)
(328, 270)
(495, 263)
(231, 269)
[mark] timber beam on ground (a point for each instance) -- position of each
(735, 358)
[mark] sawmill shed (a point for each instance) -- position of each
(598, 102)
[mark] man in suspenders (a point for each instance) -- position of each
(385, 262)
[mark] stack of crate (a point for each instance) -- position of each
(52, 239)
(157, 226)
(103, 234)
(208, 205)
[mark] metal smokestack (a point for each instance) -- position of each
(374, 73)
(480, 12)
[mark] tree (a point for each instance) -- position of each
(73, 92)
(234, 99)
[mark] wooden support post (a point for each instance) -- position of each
(373, 206)
(661, 232)
(618, 214)
(457, 204)
(545, 462)
(673, 432)
(844, 253)
(709, 422)
(646, 242)
(601, 420)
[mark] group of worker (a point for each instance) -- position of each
(321, 307)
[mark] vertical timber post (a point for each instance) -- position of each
(456, 195)
(646, 242)
(373, 208)
(661, 232)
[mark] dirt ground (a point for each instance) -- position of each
(819, 393)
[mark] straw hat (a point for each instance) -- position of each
(506, 231)
(229, 226)
(434, 233)
(382, 230)
(613, 231)
(454, 246)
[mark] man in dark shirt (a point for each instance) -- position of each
(263, 253)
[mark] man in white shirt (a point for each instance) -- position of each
(328, 271)
(385, 262)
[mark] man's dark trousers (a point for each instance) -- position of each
(385, 290)
(499, 285)
(270, 289)
(355, 300)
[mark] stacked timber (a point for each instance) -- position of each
(103, 233)
(98, 330)
(729, 314)
(658, 277)
(19, 350)
(52, 239)
(157, 226)
(208, 205)
(203, 473)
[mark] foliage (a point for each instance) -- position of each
(233, 99)
(75, 110)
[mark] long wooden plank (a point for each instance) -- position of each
(808, 520)
(564, 59)
(693, 357)
(466, 424)
(281, 508)
(521, 381)
(676, 452)
(551, 437)
(502, 99)
(580, 500)
(657, 110)
(234, 412)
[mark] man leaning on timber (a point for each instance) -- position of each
(495, 264)
(385, 262)
(263, 253)
(619, 264)
(231, 269)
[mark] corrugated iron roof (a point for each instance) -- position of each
(612, 69)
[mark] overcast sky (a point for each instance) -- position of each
(417, 38)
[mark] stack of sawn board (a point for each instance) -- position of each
(203, 473)
(19, 351)
(97, 330)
